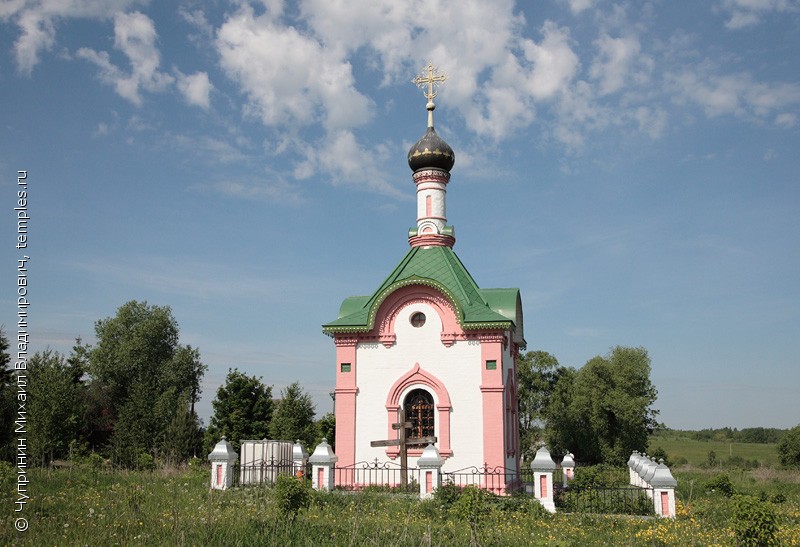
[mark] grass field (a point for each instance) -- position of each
(84, 507)
(678, 446)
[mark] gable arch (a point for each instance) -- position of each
(394, 303)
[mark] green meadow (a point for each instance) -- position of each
(81, 506)
(679, 445)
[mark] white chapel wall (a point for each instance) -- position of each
(457, 367)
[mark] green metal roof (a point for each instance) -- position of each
(440, 268)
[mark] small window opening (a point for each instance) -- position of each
(418, 319)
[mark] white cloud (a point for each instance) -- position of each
(736, 94)
(196, 88)
(289, 78)
(613, 62)
(651, 120)
(197, 18)
(786, 120)
(554, 62)
(209, 149)
(275, 191)
(339, 156)
(37, 21)
(578, 6)
(135, 36)
(746, 13)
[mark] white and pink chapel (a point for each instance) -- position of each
(428, 340)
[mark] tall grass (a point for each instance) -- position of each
(84, 507)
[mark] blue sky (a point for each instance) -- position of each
(632, 167)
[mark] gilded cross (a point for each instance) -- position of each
(431, 79)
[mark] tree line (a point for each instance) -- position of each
(758, 435)
(131, 398)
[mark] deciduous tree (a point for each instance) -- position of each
(294, 416)
(242, 410)
(789, 448)
(144, 374)
(537, 374)
(603, 411)
(8, 406)
(55, 407)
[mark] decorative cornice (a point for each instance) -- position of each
(432, 240)
(345, 341)
(431, 175)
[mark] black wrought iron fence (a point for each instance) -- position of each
(498, 480)
(619, 500)
(262, 471)
(375, 475)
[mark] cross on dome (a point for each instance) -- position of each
(431, 79)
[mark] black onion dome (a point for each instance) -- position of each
(431, 151)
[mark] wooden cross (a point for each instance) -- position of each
(403, 441)
(430, 79)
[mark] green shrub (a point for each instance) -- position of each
(599, 476)
(789, 448)
(145, 462)
(447, 494)
(754, 522)
(292, 495)
(95, 462)
(661, 454)
(471, 505)
(8, 473)
(720, 483)
(778, 498)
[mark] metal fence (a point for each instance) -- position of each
(497, 480)
(262, 472)
(391, 477)
(377, 475)
(628, 500)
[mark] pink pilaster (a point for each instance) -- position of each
(492, 394)
(346, 392)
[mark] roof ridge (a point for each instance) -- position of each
(453, 272)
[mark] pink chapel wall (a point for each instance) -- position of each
(396, 357)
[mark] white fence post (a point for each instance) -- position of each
(633, 461)
(568, 468)
(322, 464)
(299, 459)
(430, 471)
(543, 467)
(222, 459)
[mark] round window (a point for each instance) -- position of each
(418, 319)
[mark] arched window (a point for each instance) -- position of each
(419, 409)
